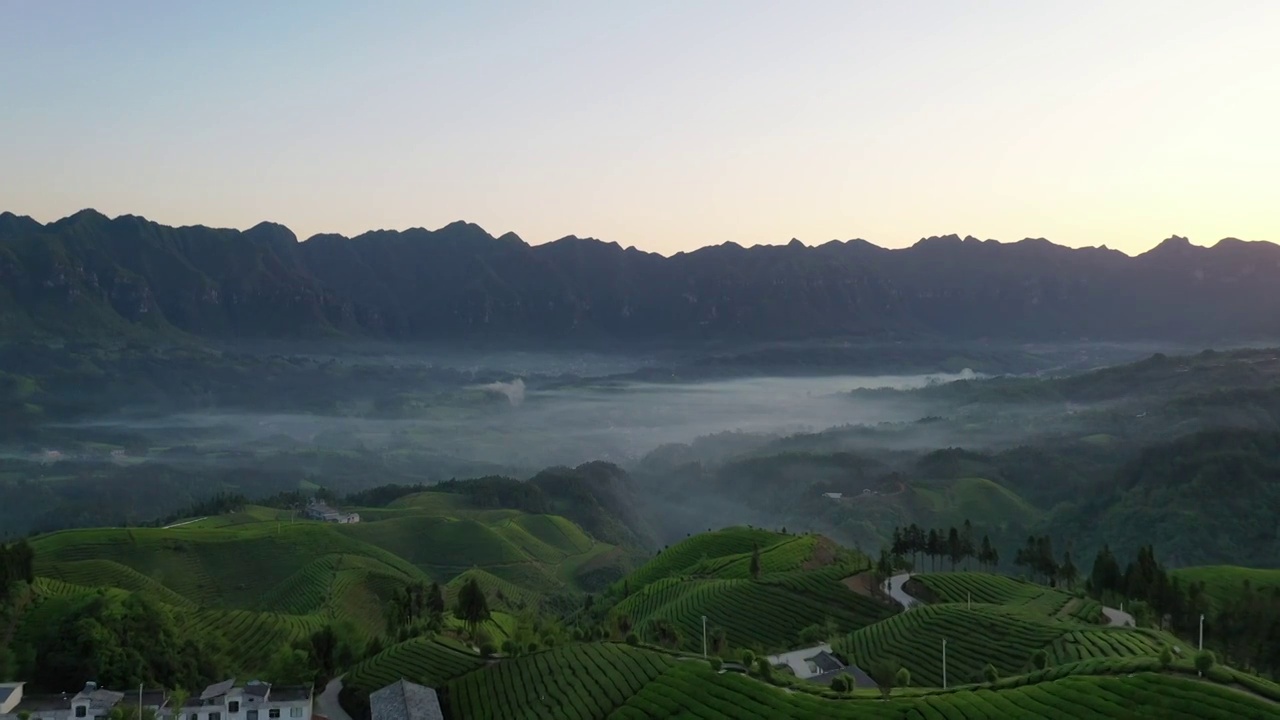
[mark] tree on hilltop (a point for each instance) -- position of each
(755, 562)
(472, 608)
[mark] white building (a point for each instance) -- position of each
(224, 701)
(92, 703)
(319, 510)
(255, 700)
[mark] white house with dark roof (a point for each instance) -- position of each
(404, 700)
(91, 703)
(320, 510)
(255, 700)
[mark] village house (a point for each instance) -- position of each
(91, 703)
(404, 700)
(320, 510)
(255, 700)
(818, 664)
(223, 701)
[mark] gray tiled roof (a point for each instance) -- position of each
(825, 662)
(860, 678)
(288, 693)
(104, 699)
(218, 690)
(404, 700)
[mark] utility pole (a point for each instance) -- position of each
(1201, 632)
(704, 637)
(944, 663)
(969, 598)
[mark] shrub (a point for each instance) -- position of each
(840, 683)
(764, 668)
(1205, 661)
(486, 649)
(814, 633)
(633, 639)
(903, 678)
(989, 673)
(747, 657)
(716, 663)
(1039, 660)
(1166, 657)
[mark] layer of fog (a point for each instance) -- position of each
(525, 427)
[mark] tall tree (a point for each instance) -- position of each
(755, 562)
(435, 599)
(955, 548)
(1067, 571)
(472, 608)
(933, 549)
(1105, 576)
(985, 553)
(966, 542)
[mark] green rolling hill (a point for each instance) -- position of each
(259, 579)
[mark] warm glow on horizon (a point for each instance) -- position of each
(661, 125)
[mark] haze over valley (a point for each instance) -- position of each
(605, 361)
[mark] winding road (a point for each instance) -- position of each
(894, 586)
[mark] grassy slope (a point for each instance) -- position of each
(981, 501)
(1222, 582)
(260, 581)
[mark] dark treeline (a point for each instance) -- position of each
(15, 566)
(382, 495)
(940, 546)
(1243, 628)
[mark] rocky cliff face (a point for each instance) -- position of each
(88, 272)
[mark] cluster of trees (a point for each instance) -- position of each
(1037, 557)
(1244, 628)
(15, 566)
(417, 602)
(120, 640)
(316, 658)
(953, 544)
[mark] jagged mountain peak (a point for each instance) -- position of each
(459, 282)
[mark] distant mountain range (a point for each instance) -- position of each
(88, 273)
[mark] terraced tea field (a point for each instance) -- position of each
(958, 587)
(421, 660)
(573, 682)
(679, 558)
(1003, 636)
(766, 616)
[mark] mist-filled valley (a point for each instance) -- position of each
(1029, 440)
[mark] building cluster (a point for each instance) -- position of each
(254, 700)
(320, 510)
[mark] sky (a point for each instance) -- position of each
(661, 125)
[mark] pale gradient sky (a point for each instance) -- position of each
(664, 125)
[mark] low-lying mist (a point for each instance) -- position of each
(518, 425)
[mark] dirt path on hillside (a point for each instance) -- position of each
(327, 701)
(863, 583)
